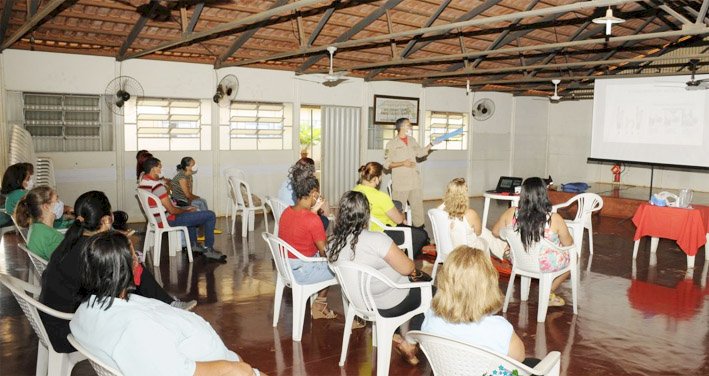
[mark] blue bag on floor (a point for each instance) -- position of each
(577, 187)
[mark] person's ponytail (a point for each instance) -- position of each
(22, 213)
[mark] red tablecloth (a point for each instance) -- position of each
(687, 226)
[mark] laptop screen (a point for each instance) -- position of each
(506, 183)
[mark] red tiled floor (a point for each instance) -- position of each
(654, 321)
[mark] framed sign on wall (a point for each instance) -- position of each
(387, 109)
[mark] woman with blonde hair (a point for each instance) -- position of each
(465, 224)
(465, 305)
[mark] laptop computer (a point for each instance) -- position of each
(506, 185)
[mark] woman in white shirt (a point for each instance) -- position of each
(466, 302)
(352, 241)
(465, 224)
(138, 335)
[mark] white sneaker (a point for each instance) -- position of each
(187, 306)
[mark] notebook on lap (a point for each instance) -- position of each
(506, 185)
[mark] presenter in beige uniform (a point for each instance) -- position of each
(400, 157)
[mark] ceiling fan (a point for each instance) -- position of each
(693, 83)
(161, 10)
(556, 97)
(332, 78)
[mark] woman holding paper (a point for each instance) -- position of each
(400, 157)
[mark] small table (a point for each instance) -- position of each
(688, 226)
(514, 199)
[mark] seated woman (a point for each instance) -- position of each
(533, 220)
(352, 241)
(465, 224)
(139, 335)
(466, 302)
(17, 181)
(300, 227)
(182, 185)
(382, 207)
(60, 281)
(303, 168)
(35, 211)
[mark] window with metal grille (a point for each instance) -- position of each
(257, 126)
(64, 122)
(167, 124)
(440, 123)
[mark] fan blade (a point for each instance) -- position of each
(333, 83)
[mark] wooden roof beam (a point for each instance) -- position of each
(5, 20)
(135, 31)
(246, 35)
(219, 30)
(323, 20)
(437, 28)
(37, 19)
(347, 35)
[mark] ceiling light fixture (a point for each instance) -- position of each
(555, 97)
(609, 20)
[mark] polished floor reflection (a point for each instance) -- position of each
(649, 317)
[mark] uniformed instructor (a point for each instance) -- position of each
(400, 157)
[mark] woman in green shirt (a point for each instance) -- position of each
(15, 183)
(35, 210)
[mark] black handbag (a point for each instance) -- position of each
(419, 276)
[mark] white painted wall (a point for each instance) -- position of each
(529, 151)
(114, 172)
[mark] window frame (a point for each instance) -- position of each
(462, 140)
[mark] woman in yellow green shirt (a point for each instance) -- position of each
(35, 211)
(382, 207)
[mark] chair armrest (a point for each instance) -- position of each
(411, 285)
(547, 364)
(568, 202)
(314, 259)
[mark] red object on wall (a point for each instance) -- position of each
(616, 170)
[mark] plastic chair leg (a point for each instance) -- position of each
(252, 219)
(157, 245)
(544, 292)
(384, 335)
(349, 319)
(245, 216)
(590, 239)
(173, 240)
(42, 360)
(525, 282)
(277, 298)
(188, 242)
(298, 313)
(374, 334)
(59, 364)
(510, 287)
(265, 218)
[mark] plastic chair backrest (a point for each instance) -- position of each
(356, 283)
(278, 207)
(389, 188)
(587, 204)
(442, 232)
(526, 260)
(23, 231)
(99, 366)
(454, 358)
(279, 251)
(154, 212)
(233, 171)
(24, 293)
(39, 263)
(235, 185)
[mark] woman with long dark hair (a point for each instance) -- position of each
(138, 335)
(533, 220)
(382, 207)
(352, 241)
(60, 281)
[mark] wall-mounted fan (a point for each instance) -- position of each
(483, 109)
(120, 90)
(226, 91)
(556, 97)
(332, 78)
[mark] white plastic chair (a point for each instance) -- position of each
(245, 206)
(155, 229)
(526, 265)
(301, 293)
(39, 263)
(356, 283)
(407, 245)
(587, 203)
(23, 231)
(231, 196)
(101, 368)
(49, 362)
(443, 237)
(450, 357)
(277, 208)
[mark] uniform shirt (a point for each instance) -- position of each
(379, 204)
(43, 240)
(12, 199)
(403, 178)
(143, 336)
(491, 332)
(370, 250)
(301, 229)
